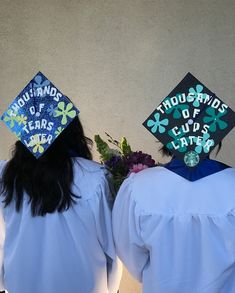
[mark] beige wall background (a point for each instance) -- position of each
(117, 59)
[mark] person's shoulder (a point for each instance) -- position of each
(150, 176)
(147, 186)
(230, 171)
(89, 176)
(89, 167)
(152, 171)
(226, 176)
(145, 179)
(2, 165)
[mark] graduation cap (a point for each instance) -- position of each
(39, 114)
(191, 121)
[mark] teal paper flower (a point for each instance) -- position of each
(157, 124)
(11, 118)
(214, 119)
(196, 92)
(177, 110)
(65, 111)
(204, 144)
(176, 141)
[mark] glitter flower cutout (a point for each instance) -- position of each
(157, 125)
(214, 119)
(36, 143)
(52, 110)
(65, 112)
(18, 135)
(21, 119)
(58, 131)
(39, 83)
(205, 143)
(10, 118)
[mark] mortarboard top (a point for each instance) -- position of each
(39, 114)
(191, 121)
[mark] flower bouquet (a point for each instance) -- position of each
(121, 161)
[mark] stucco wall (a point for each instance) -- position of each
(117, 59)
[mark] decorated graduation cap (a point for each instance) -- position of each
(39, 114)
(191, 121)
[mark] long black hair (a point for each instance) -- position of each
(47, 180)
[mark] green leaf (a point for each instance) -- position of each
(125, 147)
(103, 149)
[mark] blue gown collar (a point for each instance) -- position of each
(205, 168)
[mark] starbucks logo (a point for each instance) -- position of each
(191, 159)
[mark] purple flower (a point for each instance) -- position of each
(121, 161)
(117, 166)
(136, 168)
(139, 158)
(113, 162)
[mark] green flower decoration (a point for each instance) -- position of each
(204, 144)
(21, 119)
(176, 140)
(36, 144)
(18, 135)
(58, 131)
(157, 124)
(12, 119)
(196, 92)
(214, 119)
(177, 110)
(65, 112)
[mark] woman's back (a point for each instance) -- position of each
(179, 235)
(63, 252)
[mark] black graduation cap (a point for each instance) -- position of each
(191, 121)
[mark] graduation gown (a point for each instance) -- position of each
(69, 252)
(175, 235)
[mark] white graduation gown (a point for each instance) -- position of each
(177, 236)
(69, 252)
